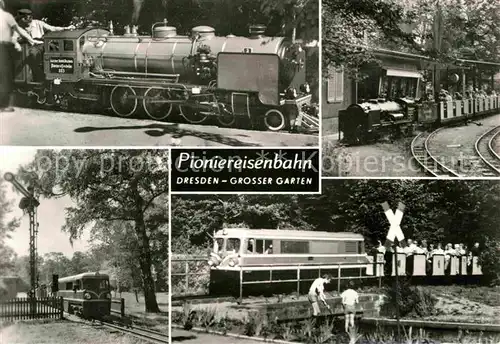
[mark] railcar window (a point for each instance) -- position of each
(219, 245)
(251, 246)
(82, 42)
(233, 245)
(294, 247)
(69, 285)
(264, 246)
(96, 284)
(68, 45)
(53, 46)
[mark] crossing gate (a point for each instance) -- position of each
(31, 308)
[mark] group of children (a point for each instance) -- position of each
(349, 299)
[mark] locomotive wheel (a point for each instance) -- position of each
(191, 115)
(274, 120)
(157, 110)
(227, 119)
(120, 103)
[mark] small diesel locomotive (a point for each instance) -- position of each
(270, 260)
(257, 80)
(87, 295)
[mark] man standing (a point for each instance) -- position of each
(8, 26)
(37, 28)
(349, 301)
(317, 292)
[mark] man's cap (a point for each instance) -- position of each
(24, 12)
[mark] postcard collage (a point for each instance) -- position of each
(231, 171)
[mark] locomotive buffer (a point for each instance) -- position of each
(29, 204)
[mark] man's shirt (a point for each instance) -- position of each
(7, 24)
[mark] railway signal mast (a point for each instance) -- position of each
(29, 204)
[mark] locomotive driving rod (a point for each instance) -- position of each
(28, 203)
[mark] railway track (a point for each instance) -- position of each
(139, 332)
(421, 153)
(490, 158)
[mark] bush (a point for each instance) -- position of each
(412, 300)
(489, 258)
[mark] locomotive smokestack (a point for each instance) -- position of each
(257, 31)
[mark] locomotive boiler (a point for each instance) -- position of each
(257, 78)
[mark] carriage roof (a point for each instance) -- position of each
(73, 34)
(83, 275)
(287, 233)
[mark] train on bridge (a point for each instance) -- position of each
(255, 81)
(259, 259)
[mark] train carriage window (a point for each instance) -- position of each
(69, 286)
(219, 245)
(295, 247)
(53, 46)
(68, 45)
(335, 86)
(95, 284)
(264, 246)
(233, 245)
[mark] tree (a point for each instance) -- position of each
(7, 255)
(107, 186)
(351, 29)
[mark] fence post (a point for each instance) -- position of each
(122, 307)
(338, 280)
(186, 270)
(61, 307)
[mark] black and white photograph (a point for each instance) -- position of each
(367, 261)
(160, 73)
(411, 88)
(84, 246)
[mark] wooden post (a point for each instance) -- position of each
(61, 308)
(397, 291)
(186, 270)
(338, 279)
(241, 285)
(298, 281)
(122, 307)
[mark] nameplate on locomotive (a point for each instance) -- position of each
(61, 65)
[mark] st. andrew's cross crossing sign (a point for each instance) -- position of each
(394, 219)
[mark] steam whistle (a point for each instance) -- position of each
(134, 29)
(127, 30)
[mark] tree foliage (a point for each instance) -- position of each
(111, 189)
(7, 226)
(438, 211)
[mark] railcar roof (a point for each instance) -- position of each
(72, 34)
(283, 233)
(82, 275)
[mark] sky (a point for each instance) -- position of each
(50, 212)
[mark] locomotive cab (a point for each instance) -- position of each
(63, 58)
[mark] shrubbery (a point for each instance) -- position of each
(412, 300)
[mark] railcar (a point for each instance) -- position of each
(258, 80)
(401, 108)
(87, 295)
(249, 256)
(269, 260)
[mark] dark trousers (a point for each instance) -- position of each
(6, 72)
(35, 61)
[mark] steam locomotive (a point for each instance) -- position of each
(257, 80)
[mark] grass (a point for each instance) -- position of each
(60, 332)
